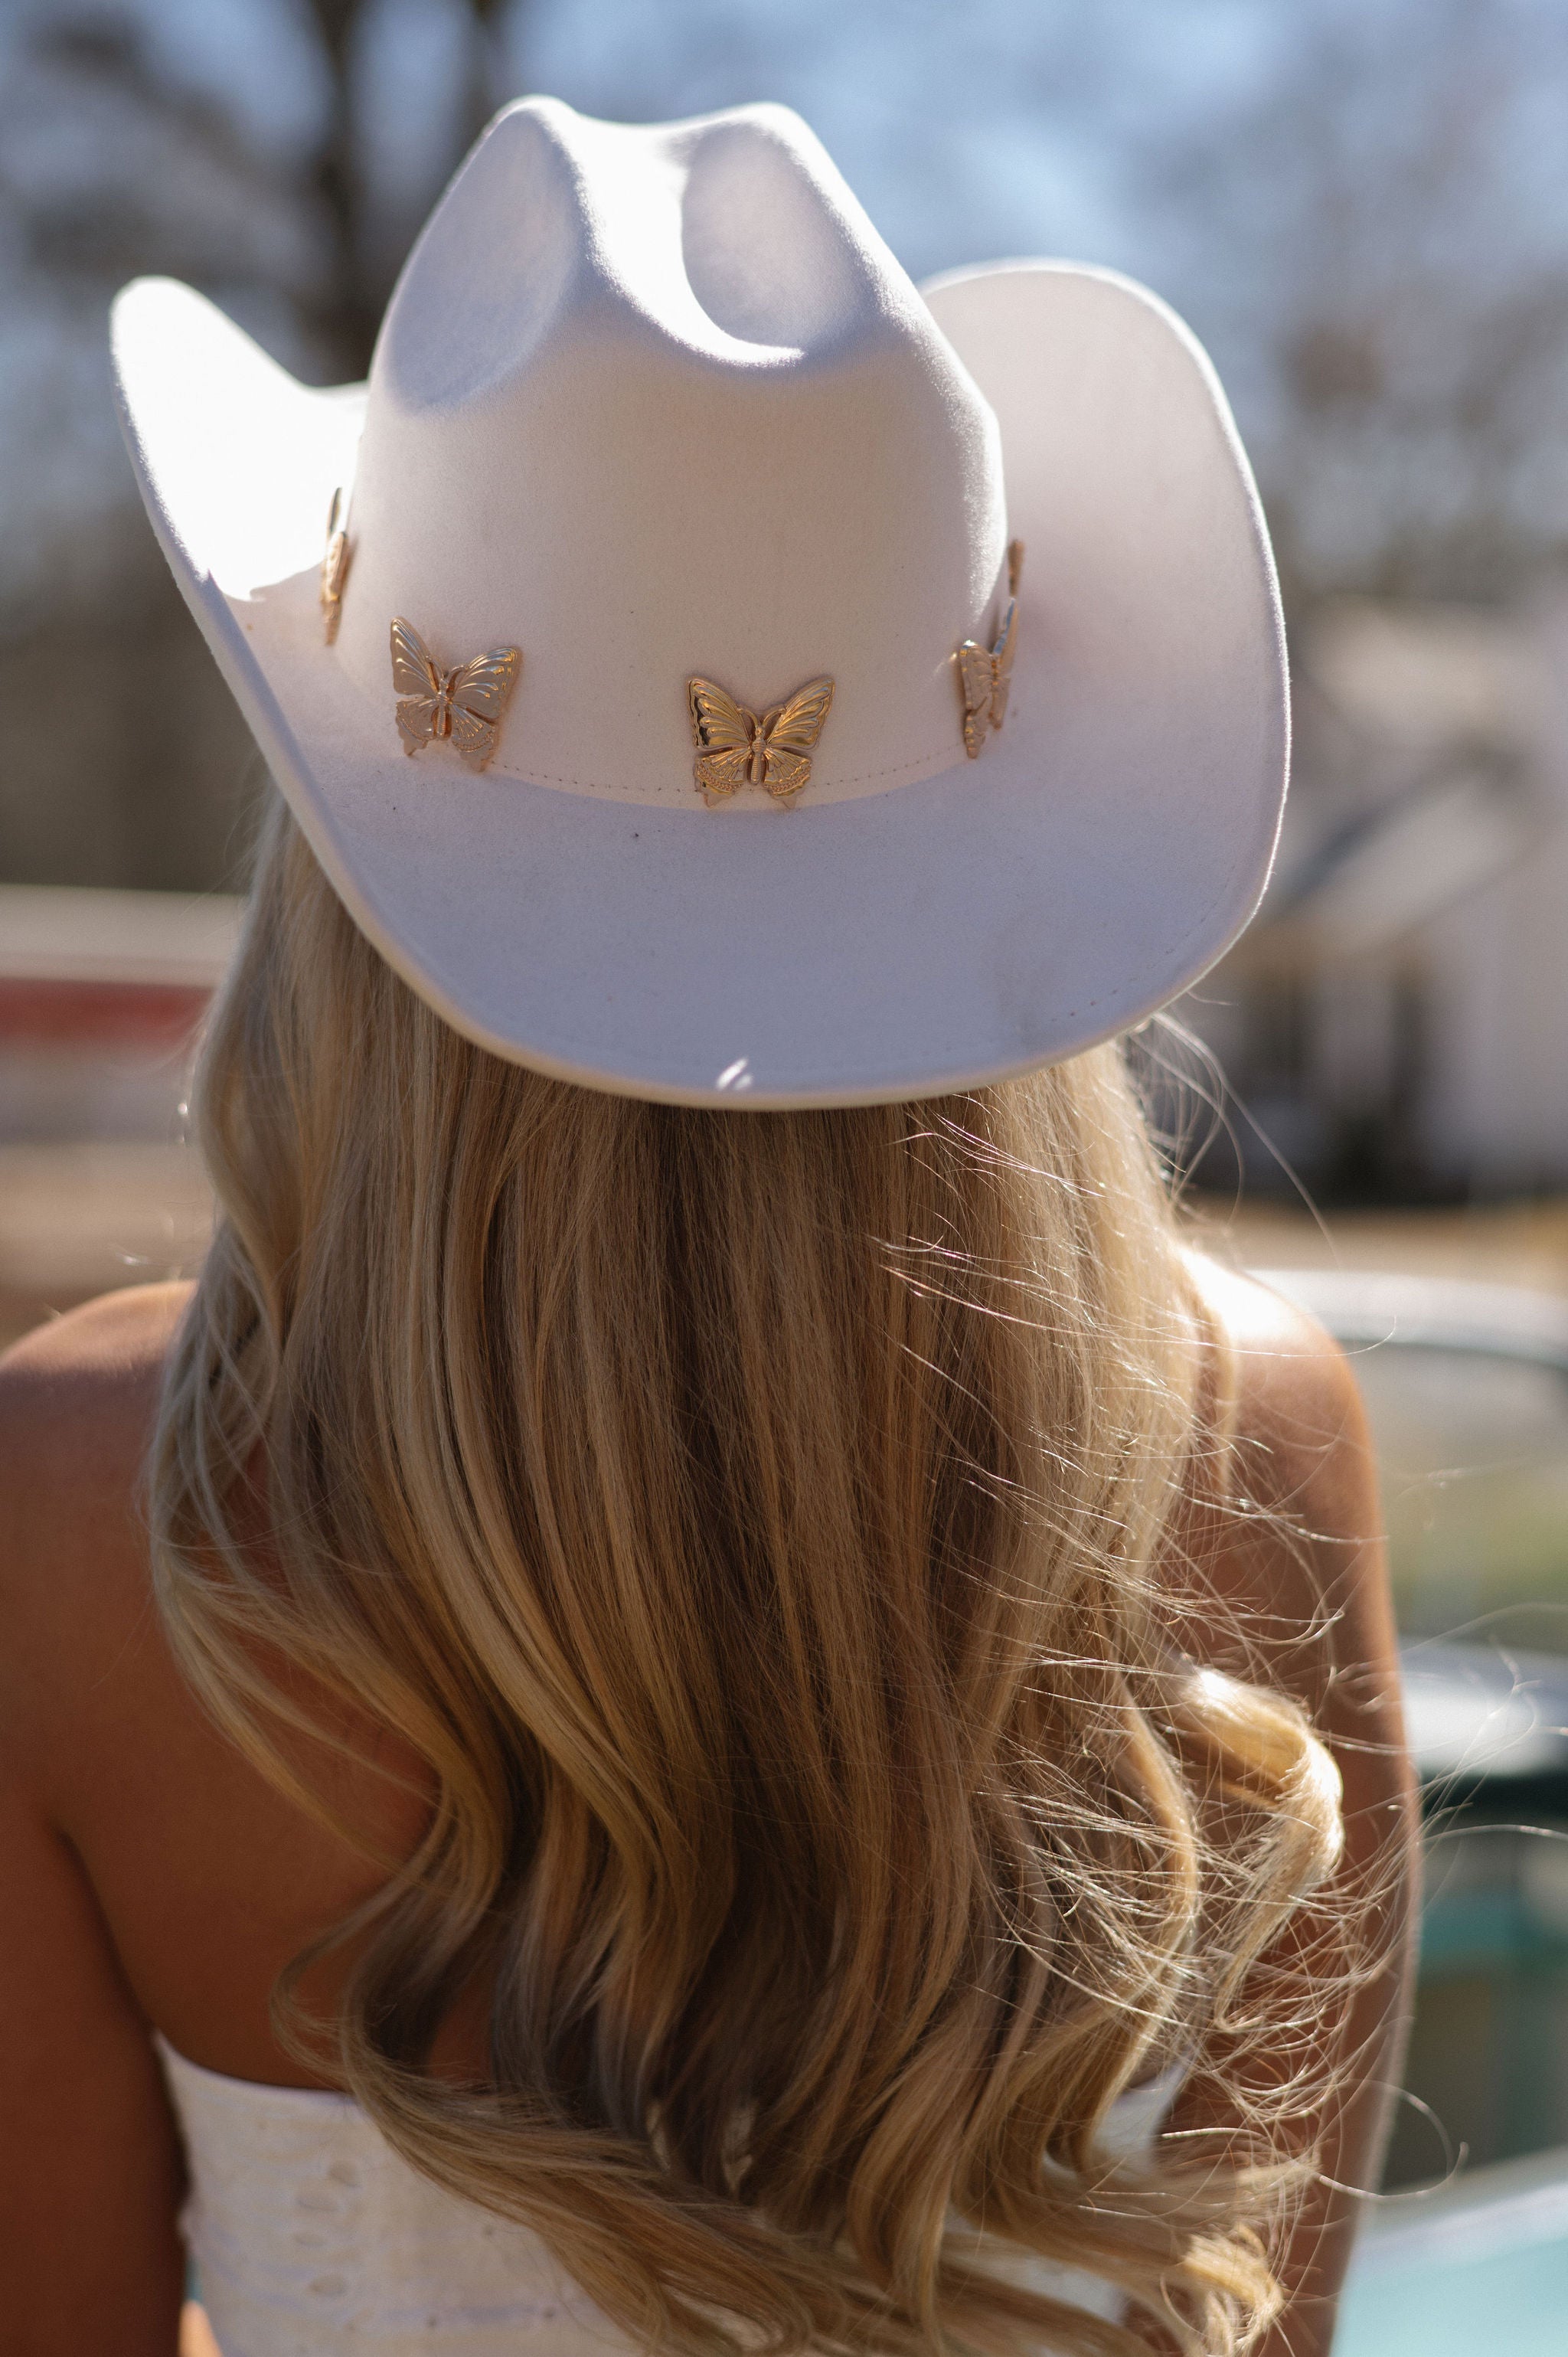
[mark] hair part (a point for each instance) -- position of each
(753, 1524)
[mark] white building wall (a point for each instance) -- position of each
(1496, 968)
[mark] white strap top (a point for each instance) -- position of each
(311, 2237)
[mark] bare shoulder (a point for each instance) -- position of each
(77, 1399)
(1291, 1367)
(1292, 1540)
(98, 1344)
(1299, 1422)
(94, 1764)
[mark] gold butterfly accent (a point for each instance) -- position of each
(465, 704)
(333, 566)
(733, 745)
(986, 673)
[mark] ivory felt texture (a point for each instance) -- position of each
(659, 401)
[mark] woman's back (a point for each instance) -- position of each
(700, 1609)
(163, 1880)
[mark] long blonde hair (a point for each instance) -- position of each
(752, 1522)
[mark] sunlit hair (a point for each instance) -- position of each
(752, 1520)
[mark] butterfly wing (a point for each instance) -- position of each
(474, 737)
(478, 693)
(977, 678)
(719, 725)
(483, 686)
(334, 568)
(722, 732)
(722, 774)
(788, 734)
(1002, 662)
(417, 683)
(413, 666)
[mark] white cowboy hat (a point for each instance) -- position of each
(657, 408)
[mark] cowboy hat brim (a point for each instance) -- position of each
(1104, 850)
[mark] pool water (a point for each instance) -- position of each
(1481, 2266)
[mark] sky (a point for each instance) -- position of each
(1201, 144)
(934, 112)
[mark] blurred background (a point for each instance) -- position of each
(1362, 207)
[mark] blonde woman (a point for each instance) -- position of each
(704, 1695)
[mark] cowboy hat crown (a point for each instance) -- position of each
(649, 403)
(663, 456)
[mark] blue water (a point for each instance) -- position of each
(1480, 2270)
(1515, 2304)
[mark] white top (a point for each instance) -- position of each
(311, 2237)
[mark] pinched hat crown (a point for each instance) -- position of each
(672, 501)
(652, 402)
